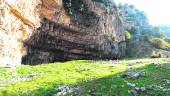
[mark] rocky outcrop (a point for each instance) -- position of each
(17, 21)
(69, 29)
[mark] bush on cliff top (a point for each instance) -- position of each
(128, 35)
(160, 43)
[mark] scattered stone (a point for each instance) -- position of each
(142, 88)
(137, 91)
(129, 69)
(93, 92)
(160, 88)
(83, 69)
(63, 90)
(134, 92)
(166, 81)
(22, 78)
(137, 88)
(132, 75)
(136, 75)
(131, 84)
(5, 82)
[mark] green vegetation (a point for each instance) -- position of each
(100, 77)
(134, 21)
(155, 54)
(160, 43)
(128, 35)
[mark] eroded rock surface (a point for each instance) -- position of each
(76, 29)
(69, 29)
(17, 21)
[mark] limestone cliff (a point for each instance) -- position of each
(18, 18)
(54, 30)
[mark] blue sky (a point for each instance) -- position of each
(158, 11)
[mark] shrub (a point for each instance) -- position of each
(128, 35)
(155, 54)
(160, 43)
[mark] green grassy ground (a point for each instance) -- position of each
(102, 78)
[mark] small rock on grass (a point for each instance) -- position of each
(138, 91)
(136, 75)
(131, 75)
(131, 84)
(63, 90)
(134, 92)
(142, 88)
(129, 69)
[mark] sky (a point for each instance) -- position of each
(157, 11)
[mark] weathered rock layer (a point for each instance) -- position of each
(17, 21)
(70, 29)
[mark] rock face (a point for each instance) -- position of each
(134, 21)
(69, 29)
(17, 21)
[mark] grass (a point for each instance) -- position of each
(100, 77)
